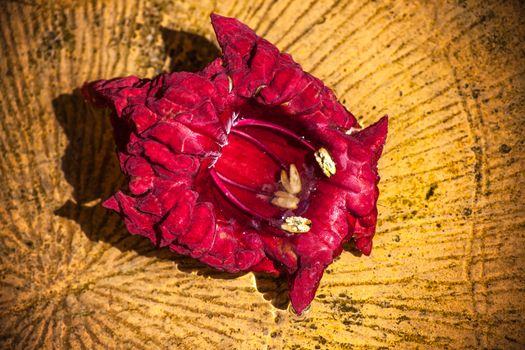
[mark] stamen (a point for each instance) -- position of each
(285, 200)
(259, 88)
(230, 84)
(254, 122)
(325, 161)
(261, 146)
(244, 187)
(351, 131)
(291, 184)
(285, 181)
(222, 187)
(296, 224)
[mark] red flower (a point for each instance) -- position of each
(249, 165)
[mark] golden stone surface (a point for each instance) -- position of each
(447, 268)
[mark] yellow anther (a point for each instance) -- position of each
(292, 182)
(296, 224)
(325, 161)
(285, 200)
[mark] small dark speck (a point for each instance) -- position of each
(396, 238)
(504, 148)
(467, 211)
(476, 149)
(348, 308)
(322, 340)
(430, 191)
(400, 93)
(29, 244)
(373, 107)
(475, 93)
(402, 318)
(438, 225)
(318, 346)
(52, 35)
(511, 339)
(321, 296)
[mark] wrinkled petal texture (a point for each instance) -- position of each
(170, 131)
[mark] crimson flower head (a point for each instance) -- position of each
(248, 165)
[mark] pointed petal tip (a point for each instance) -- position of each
(111, 203)
(374, 136)
(298, 307)
(218, 21)
(382, 124)
(379, 128)
(231, 32)
(216, 17)
(364, 245)
(304, 285)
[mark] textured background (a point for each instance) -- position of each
(448, 268)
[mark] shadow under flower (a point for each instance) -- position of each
(352, 249)
(90, 165)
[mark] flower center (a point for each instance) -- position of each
(266, 171)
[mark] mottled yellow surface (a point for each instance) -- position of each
(447, 269)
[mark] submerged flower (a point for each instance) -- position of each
(249, 165)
